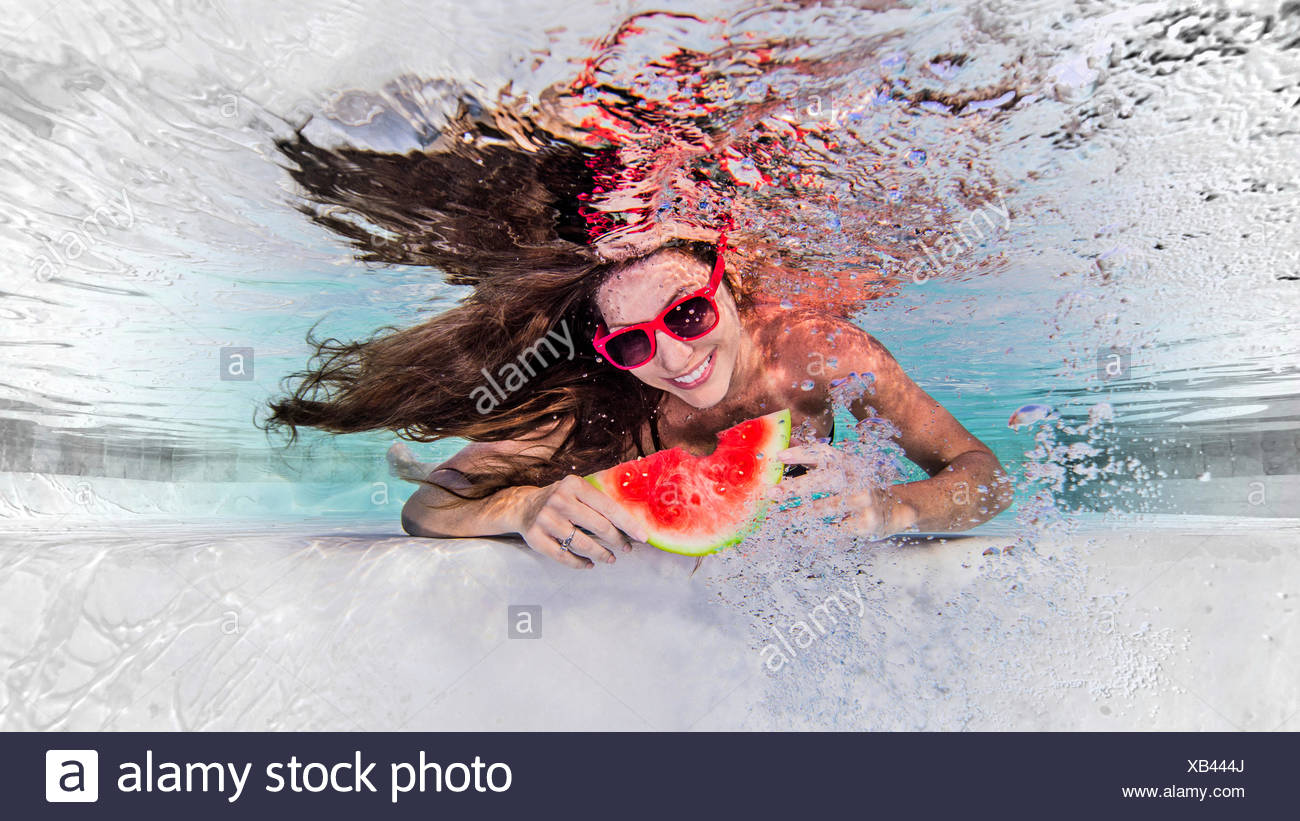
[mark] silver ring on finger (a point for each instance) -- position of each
(567, 543)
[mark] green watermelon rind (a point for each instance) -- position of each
(778, 441)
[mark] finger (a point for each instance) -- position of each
(804, 499)
(599, 501)
(565, 526)
(563, 514)
(797, 485)
(815, 454)
(826, 505)
(593, 521)
(584, 545)
(783, 494)
(806, 485)
(547, 545)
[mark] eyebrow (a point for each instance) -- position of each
(681, 292)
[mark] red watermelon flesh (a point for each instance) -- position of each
(700, 504)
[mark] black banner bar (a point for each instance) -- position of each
(621, 775)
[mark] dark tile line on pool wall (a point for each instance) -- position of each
(1240, 473)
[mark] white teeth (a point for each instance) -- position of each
(695, 374)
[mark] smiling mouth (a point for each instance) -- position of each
(696, 377)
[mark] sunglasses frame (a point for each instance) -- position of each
(602, 337)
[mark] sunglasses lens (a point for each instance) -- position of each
(693, 318)
(629, 349)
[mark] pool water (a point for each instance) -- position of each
(1088, 206)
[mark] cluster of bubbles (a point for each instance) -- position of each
(855, 634)
(715, 124)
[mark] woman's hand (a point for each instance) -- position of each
(872, 513)
(549, 515)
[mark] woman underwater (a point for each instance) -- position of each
(652, 340)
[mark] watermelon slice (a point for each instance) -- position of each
(696, 505)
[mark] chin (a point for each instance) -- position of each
(698, 400)
(706, 396)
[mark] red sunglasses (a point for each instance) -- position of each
(690, 317)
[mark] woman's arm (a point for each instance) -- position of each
(967, 485)
(543, 516)
(437, 513)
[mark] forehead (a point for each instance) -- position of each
(640, 291)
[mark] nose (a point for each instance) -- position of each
(673, 354)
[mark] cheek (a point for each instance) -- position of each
(731, 327)
(648, 374)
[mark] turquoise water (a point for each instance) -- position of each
(161, 128)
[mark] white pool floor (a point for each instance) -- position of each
(328, 626)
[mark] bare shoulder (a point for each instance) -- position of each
(820, 342)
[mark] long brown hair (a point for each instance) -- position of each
(503, 219)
